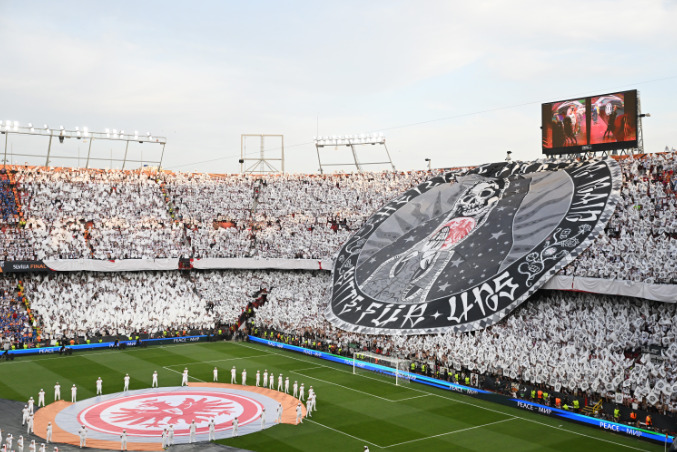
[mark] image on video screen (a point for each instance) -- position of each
(567, 126)
(613, 118)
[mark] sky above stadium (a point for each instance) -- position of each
(458, 82)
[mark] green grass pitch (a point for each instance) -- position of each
(353, 410)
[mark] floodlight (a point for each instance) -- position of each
(16, 125)
(46, 126)
(8, 124)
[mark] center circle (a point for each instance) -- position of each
(149, 414)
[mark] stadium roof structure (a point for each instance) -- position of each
(111, 135)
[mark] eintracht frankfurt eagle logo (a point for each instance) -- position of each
(462, 250)
(148, 414)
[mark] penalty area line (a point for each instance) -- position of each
(451, 433)
(344, 387)
(344, 433)
(453, 397)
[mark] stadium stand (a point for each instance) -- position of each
(16, 320)
(597, 347)
(643, 230)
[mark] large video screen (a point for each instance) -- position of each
(597, 123)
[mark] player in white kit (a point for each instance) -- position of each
(83, 436)
(99, 386)
(192, 429)
(154, 383)
(212, 430)
(235, 426)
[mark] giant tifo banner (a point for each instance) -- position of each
(462, 250)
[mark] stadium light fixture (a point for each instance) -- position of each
(10, 126)
(350, 140)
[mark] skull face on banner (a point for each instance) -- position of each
(412, 270)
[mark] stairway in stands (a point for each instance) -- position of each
(259, 185)
(34, 320)
(171, 208)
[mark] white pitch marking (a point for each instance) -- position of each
(181, 373)
(309, 368)
(411, 398)
(467, 403)
(344, 433)
(452, 432)
(344, 387)
(89, 353)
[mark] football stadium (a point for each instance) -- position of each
(373, 291)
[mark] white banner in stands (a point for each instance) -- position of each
(274, 264)
(657, 292)
(121, 265)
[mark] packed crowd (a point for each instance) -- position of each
(85, 213)
(582, 342)
(643, 230)
(574, 341)
(90, 304)
(16, 326)
(94, 214)
(9, 212)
